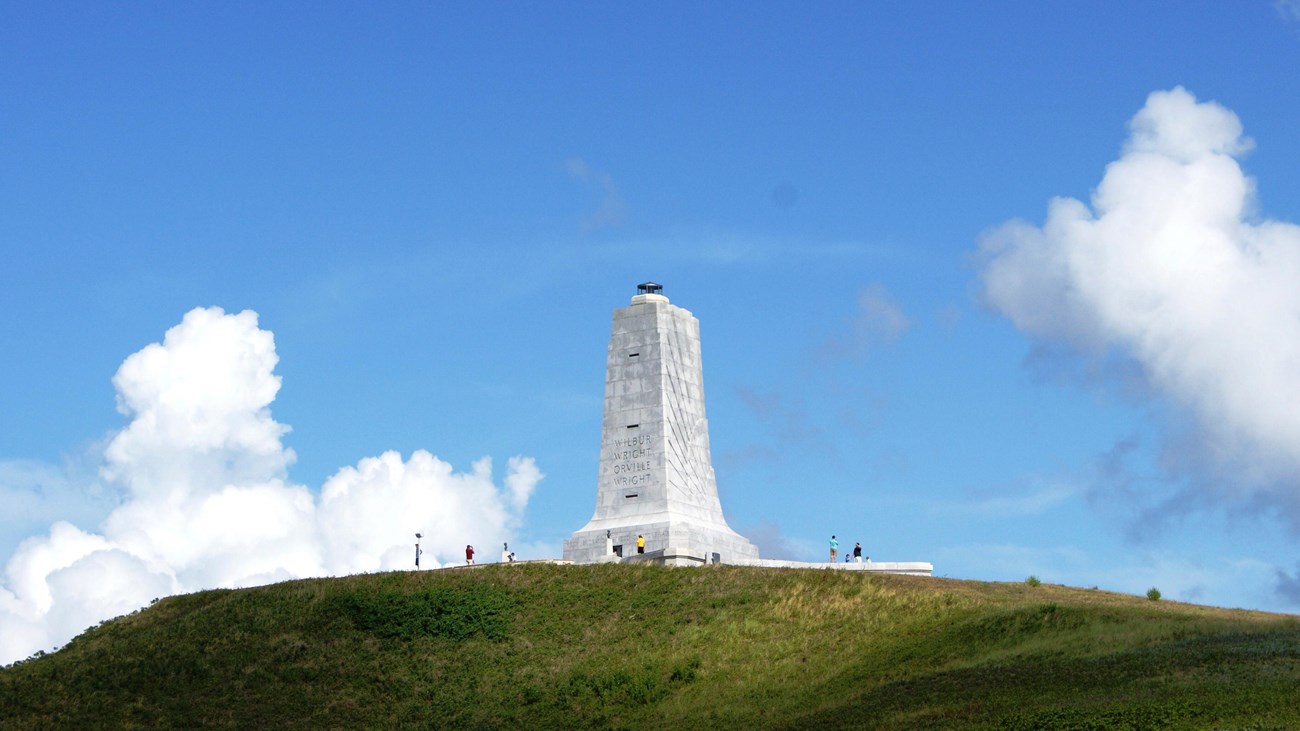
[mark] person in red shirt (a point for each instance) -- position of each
(469, 555)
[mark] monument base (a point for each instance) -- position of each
(909, 568)
(694, 543)
(674, 556)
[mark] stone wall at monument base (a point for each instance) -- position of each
(699, 541)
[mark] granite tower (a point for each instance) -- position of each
(656, 477)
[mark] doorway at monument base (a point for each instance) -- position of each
(688, 544)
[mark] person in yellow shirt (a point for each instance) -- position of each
(640, 543)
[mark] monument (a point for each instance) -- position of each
(656, 476)
(656, 497)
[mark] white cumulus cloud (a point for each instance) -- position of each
(1170, 266)
(207, 502)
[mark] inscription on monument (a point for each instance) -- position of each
(628, 460)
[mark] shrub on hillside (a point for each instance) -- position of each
(455, 614)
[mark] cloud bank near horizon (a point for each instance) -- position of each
(1171, 269)
(205, 500)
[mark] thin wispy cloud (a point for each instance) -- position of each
(879, 314)
(1035, 498)
(711, 245)
(1288, 584)
(1011, 560)
(611, 209)
(36, 494)
(748, 455)
(772, 543)
(1181, 577)
(1288, 10)
(787, 420)
(877, 320)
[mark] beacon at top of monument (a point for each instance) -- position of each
(649, 292)
(651, 316)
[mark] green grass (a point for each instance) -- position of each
(595, 647)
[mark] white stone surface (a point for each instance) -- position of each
(913, 568)
(656, 475)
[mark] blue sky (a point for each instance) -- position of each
(434, 208)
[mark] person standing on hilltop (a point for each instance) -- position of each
(469, 555)
(835, 548)
(857, 553)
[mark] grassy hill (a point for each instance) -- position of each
(543, 646)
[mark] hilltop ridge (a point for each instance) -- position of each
(617, 646)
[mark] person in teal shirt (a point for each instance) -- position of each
(835, 548)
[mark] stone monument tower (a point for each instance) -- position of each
(656, 476)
